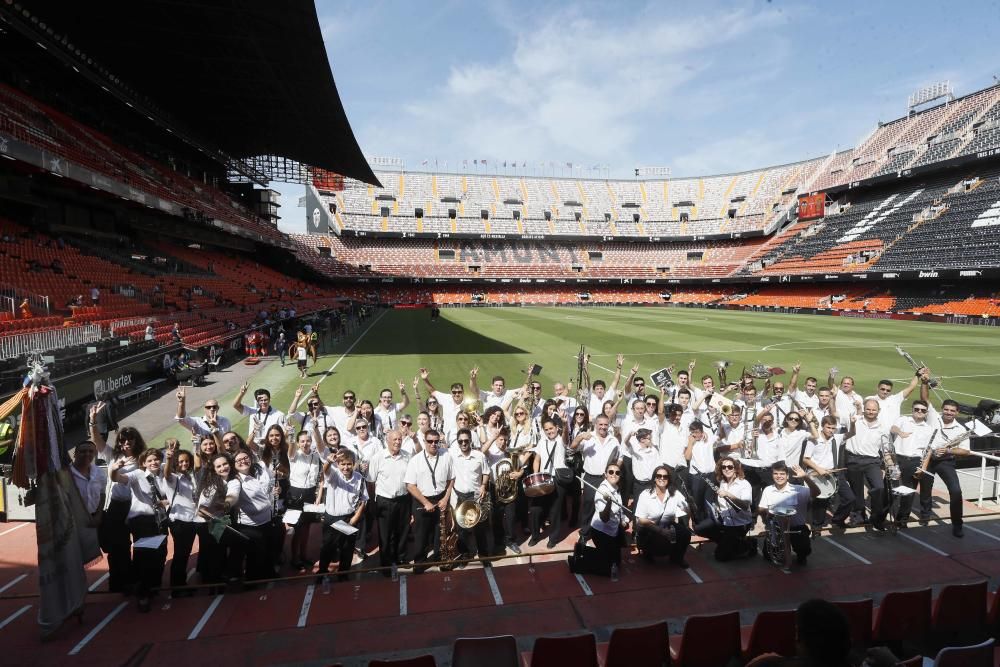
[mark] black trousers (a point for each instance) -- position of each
(701, 493)
(759, 478)
(609, 546)
(113, 535)
(907, 466)
(945, 469)
(731, 542)
(549, 506)
(336, 545)
(473, 540)
(587, 505)
(628, 478)
(862, 470)
(502, 525)
(393, 518)
(213, 556)
(183, 534)
(653, 544)
(256, 551)
(425, 526)
(148, 563)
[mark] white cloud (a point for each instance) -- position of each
(575, 87)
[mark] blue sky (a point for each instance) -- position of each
(700, 87)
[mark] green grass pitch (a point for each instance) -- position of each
(395, 344)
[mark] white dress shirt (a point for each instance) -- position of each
(867, 438)
(91, 486)
(256, 503)
(180, 489)
(469, 470)
(792, 496)
(387, 473)
(661, 512)
(430, 474)
(343, 496)
(609, 527)
(597, 455)
(730, 515)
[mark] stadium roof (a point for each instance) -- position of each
(248, 76)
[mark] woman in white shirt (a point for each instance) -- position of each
(147, 518)
(661, 517)
(217, 493)
(522, 432)
(113, 532)
(180, 483)
(91, 481)
(550, 457)
(253, 520)
(303, 477)
(607, 529)
(732, 512)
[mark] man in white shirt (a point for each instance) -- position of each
(807, 399)
(386, 473)
(700, 455)
(212, 424)
(598, 449)
(912, 436)
(429, 480)
(822, 455)
(782, 495)
(341, 414)
(316, 418)
(864, 463)
(890, 405)
(599, 390)
(945, 442)
(848, 401)
(263, 416)
(673, 442)
(683, 382)
(472, 476)
(561, 395)
(499, 395)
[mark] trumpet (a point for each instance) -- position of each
(727, 409)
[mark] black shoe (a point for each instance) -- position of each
(842, 525)
(513, 547)
(551, 544)
(903, 524)
(801, 559)
(924, 520)
(957, 531)
(535, 539)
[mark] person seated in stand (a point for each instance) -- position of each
(661, 517)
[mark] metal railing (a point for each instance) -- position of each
(130, 322)
(39, 303)
(994, 480)
(17, 345)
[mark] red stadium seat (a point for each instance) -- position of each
(771, 632)
(578, 651)
(959, 615)
(980, 655)
(417, 661)
(648, 646)
(707, 641)
(859, 614)
(485, 652)
(903, 616)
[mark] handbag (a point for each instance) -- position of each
(564, 476)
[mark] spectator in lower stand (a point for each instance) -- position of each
(176, 332)
(56, 266)
(25, 309)
(95, 296)
(168, 365)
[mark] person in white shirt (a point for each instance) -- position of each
(212, 424)
(730, 518)
(263, 416)
(661, 517)
(792, 438)
(645, 456)
(598, 449)
(147, 517)
(890, 405)
(315, 420)
(823, 454)
(795, 497)
(912, 436)
(780, 403)
(345, 495)
(90, 479)
(699, 454)
(504, 510)
(342, 414)
(386, 472)
(472, 476)
(550, 457)
(216, 493)
(808, 399)
(429, 479)
(253, 520)
(599, 391)
(563, 398)
(178, 466)
(864, 463)
(673, 442)
(500, 396)
(683, 382)
(848, 401)
(387, 412)
(608, 523)
(305, 465)
(946, 447)
(450, 404)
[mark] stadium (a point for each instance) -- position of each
(154, 315)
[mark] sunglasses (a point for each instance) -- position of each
(794, 419)
(520, 414)
(616, 473)
(313, 405)
(211, 407)
(243, 459)
(464, 441)
(405, 423)
(432, 402)
(361, 426)
(920, 409)
(431, 442)
(457, 392)
(728, 467)
(662, 476)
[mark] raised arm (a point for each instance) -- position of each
(793, 382)
(402, 392)
(180, 404)
(619, 362)
(425, 376)
(238, 401)
(296, 397)
(103, 450)
(473, 381)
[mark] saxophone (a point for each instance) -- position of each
(887, 452)
(448, 538)
(749, 441)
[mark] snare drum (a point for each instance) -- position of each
(782, 511)
(539, 484)
(827, 485)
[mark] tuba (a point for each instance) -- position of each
(777, 547)
(471, 405)
(471, 513)
(506, 486)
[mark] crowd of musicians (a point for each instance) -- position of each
(442, 476)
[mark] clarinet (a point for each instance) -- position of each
(159, 511)
(275, 490)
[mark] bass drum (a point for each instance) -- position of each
(539, 484)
